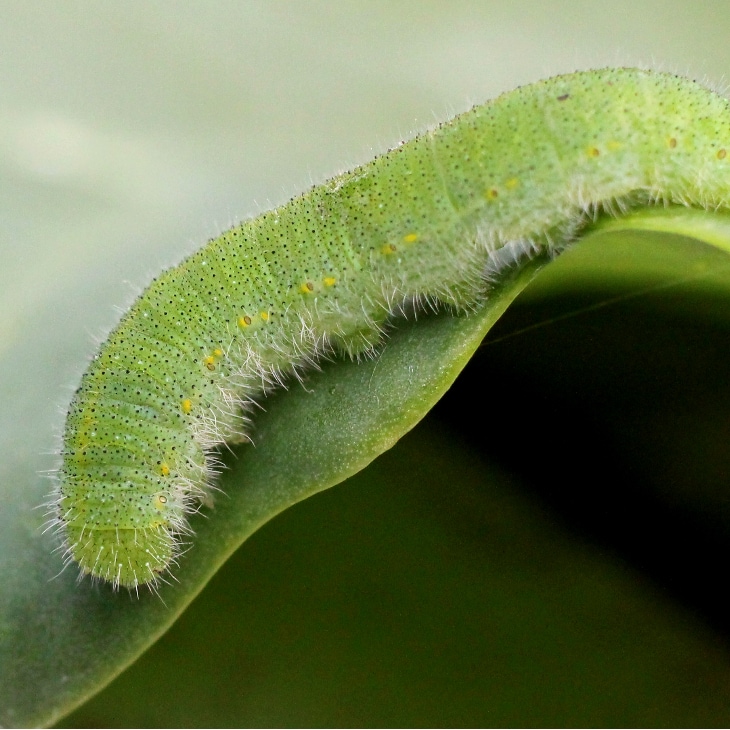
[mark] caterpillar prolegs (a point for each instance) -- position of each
(327, 269)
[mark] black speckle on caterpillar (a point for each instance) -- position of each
(432, 220)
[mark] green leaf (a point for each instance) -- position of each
(61, 642)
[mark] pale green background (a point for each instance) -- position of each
(132, 131)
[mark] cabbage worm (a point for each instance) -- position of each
(419, 223)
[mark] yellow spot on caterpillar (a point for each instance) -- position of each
(264, 316)
(512, 183)
(614, 145)
(210, 361)
(244, 321)
(186, 405)
(593, 152)
(410, 237)
(387, 249)
(492, 194)
(721, 154)
(164, 469)
(160, 502)
(672, 143)
(307, 287)
(329, 280)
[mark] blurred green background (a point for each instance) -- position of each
(561, 559)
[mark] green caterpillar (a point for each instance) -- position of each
(429, 221)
